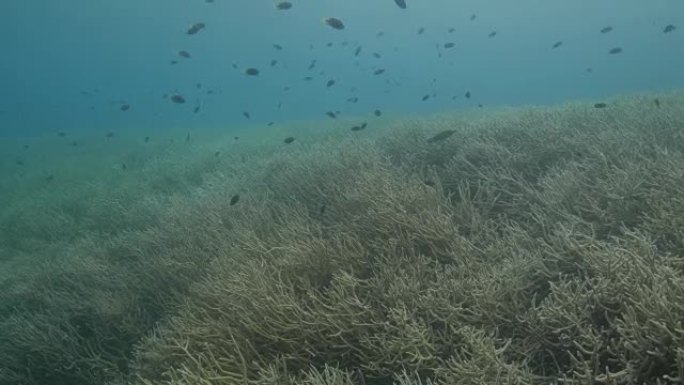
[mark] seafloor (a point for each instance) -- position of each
(526, 246)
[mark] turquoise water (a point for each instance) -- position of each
(71, 64)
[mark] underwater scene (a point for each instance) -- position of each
(342, 192)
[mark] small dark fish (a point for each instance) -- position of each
(492, 34)
(331, 114)
(269, 124)
(657, 102)
(377, 113)
(109, 135)
(467, 94)
(278, 47)
(217, 153)
(247, 115)
(451, 30)
(669, 28)
(173, 62)
(147, 139)
(234, 199)
(251, 72)
(330, 44)
(124, 167)
(606, 29)
(289, 140)
(195, 28)
(334, 23)
(379, 71)
(425, 97)
(615, 51)
(357, 51)
(473, 17)
(322, 210)
(429, 183)
(330, 83)
(283, 5)
(312, 64)
(198, 85)
(353, 99)
(273, 62)
(177, 98)
(74, 143)
(589, 69)
(441, 136)
(421, 30)
(600, 105)
(187, 137)
(19, 162)
(125, 107)
(557, 44)
(196, 110)
(376, 55)
(234, 65)
(26, 147)
(380, 34)
(400, 3)
(184, 54)
(359, 128)
(308, 78)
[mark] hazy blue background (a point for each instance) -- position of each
(69, 64)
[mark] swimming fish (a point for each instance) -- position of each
(606, 29)
(195, 28)
(614, 51)
(234, 199)
(669, 28)
(600, 105)
(359, 128)
(251, 71)
(177, 98)
(400, 3)
(334, 23)
(441, 136)
(289, 140)
(283, 5)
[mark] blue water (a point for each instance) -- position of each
(70, 64)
